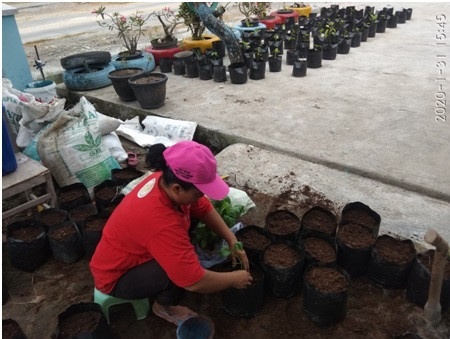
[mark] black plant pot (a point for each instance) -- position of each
(123, 176)
(92, 235)
(314, 58)
(299, 69)
(258, 70)
(163, 45)
(364, 34)
(11, 329)
(119, 79)
(51, 217)
(27, 255)
(105, 193)
(219, 73)
(392, 22)
(344, 46)
(372, 30)
(219, 47)
(409, 13)
(330, 52)
(291, 56)
(289, 23)
(67, 246)
(290, 43)
(179, 67)
(165, 65)
(68, 200)
(253, 22)
(254, 254)
(191, 68)
(248, 59)
(356, 40)
(150, 94)
(275, 63)
(401, 17)
(359, 213)
(217, 62)
(79, 214)
(205, 71)
(381, 26)
(238, 73)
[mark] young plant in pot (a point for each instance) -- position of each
(292, 55)
(290, 41)
(119, 79)
(345, 43)
(329, 43)
(356, 39)
(238, 73)
(299, 68)
(258, 67)
(372, 21)
(275, 61)
(248, 9)
(149, 89)
(242, 303)
(205, 69)
(314, 57)
(129, 29)
(215, 58)
(382, 22)
(169, 21)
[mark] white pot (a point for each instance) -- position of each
(43, 91)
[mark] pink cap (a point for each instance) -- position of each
(194, 163)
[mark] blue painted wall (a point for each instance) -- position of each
(14, 61)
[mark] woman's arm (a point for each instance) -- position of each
(212, 282)
(215, 223)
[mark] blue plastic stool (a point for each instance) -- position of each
(141, 306)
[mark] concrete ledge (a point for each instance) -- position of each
(9, 10)
(278, 181)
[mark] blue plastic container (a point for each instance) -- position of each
(9, 163)
(199, 327)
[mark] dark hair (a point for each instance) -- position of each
(156, 162)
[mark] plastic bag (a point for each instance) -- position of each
(112, 142)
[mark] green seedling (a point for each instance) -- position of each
(225, 251)
(276, 52)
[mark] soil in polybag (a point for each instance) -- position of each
(65, 242)
(319, 219)
(283, 225)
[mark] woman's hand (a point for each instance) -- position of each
(242, 256)
(241, 279)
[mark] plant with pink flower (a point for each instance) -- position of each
(130, 29)
(169, 21)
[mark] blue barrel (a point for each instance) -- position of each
(9, 163)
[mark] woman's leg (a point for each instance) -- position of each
(150, 280)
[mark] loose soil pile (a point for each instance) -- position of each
(359, 217)
(95, 225)
(394, 250)
(282, 223)
(62, 233)
(28, 233)
(281, 255)
(356, 236)
(81, 214)
(52, 217)
(78, 323)
(127, 174)
(320, 221)
(427, 260)
(327, 280)
(107, 193)
(320, 249)
(254, 240)
(71, 195)
(10, 331)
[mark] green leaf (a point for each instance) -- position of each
(98, 140)
(89, 139)
(82, 148)
(238, 246)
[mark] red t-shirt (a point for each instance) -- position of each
(147, 226)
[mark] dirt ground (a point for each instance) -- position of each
(36, 299)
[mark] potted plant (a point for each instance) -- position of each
(314, 57)
(197, 28)
(299, 68)
(258, 67)
(382, 22)
(291, 40)
(345, 43)
(215, 58)
(119, 79)
(149, 89)
(130, 29)
(328, 34)
(275, 61)
(169, 21)
(372, 21)
(247, 9)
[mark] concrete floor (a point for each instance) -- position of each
(370, 112)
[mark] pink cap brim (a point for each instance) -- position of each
(216, 190)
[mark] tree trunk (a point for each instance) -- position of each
(224, 32)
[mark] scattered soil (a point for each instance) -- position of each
(80, 214)
(356, 236)
(126, 72)
(281, 255)
(320, 249)
(254, 240)
(359, 217)
(10, 331)
(148, 80)
(52, 218)
(427, 260)
(72, 194)
(107, 193)
(62, 233)
(282, 223)
(95, 225)
(78, 323)
(28, 233)
(327, 280)
(127, 174)
(319, 220)
(394, 250)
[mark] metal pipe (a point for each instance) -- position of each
(432, 308)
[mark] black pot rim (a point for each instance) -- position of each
(111, 74)
(136, 77)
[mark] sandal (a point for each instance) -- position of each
(133, 159)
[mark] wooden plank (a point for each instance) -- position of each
(22, 186)
(23, 207)
(26, 169)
